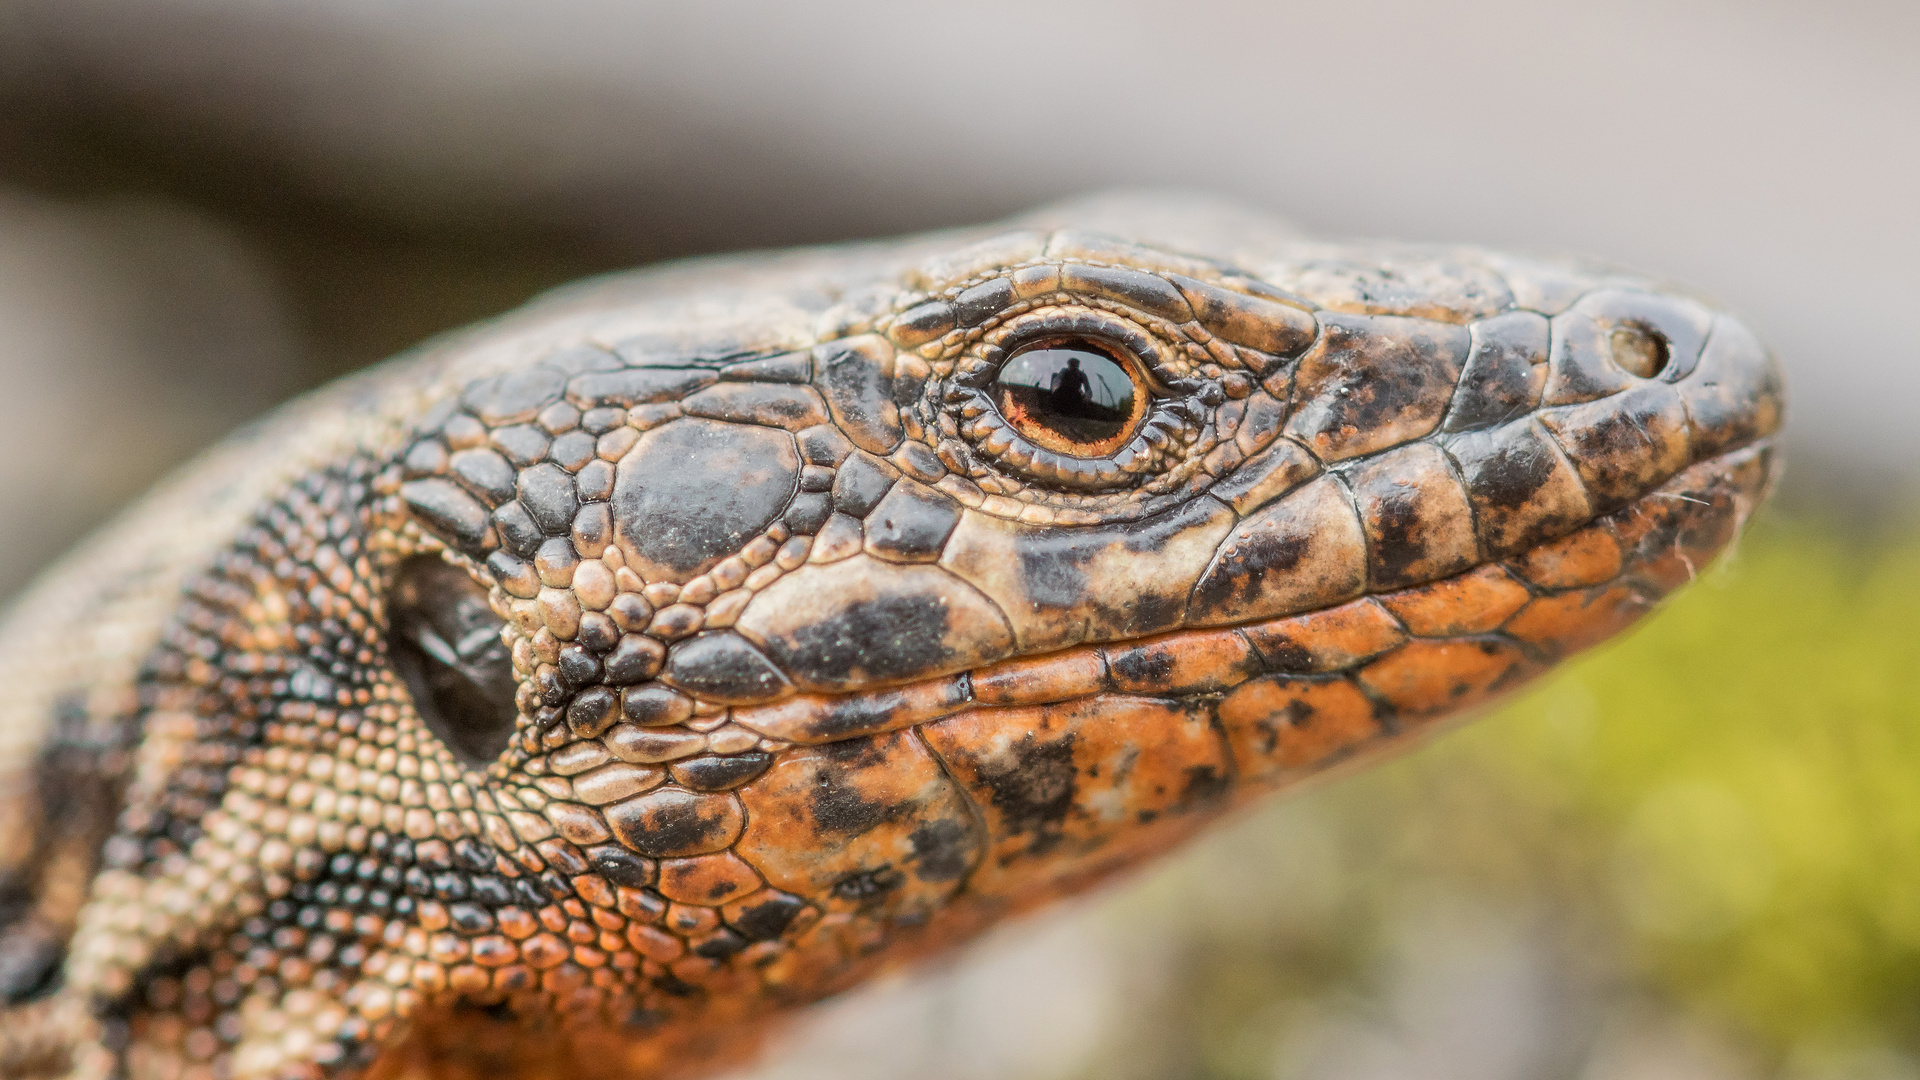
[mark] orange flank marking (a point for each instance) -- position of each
(1065, 789)
(707, 879)
(1057, 677)
(1423, 679)
(1588, 557)
(1472, 603)
(1328, 640)
(1277, 725)
(1574, 620)
(1188, 663)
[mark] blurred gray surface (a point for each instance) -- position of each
(130, 334)
(1762, 151)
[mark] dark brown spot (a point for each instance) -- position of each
(694, 491)
(1374, 382)
(765, 915)
(1505, 372)
(942, 850)
(722, 666)
(670, 822)
(719, 772)
(1032, 785)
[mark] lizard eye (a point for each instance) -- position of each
(1075, 401)
(445, 643)
(1071, 394)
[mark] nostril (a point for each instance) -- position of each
(1640, 350)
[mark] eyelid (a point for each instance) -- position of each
(1169, 380)
(1129, 338)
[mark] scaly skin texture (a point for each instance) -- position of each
(809, 660)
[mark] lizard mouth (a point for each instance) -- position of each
(1406, 656)
(1025, 776)
(1074, 763)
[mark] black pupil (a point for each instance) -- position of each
(445, 642)
(1070, 387)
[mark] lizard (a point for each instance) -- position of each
(577, 692)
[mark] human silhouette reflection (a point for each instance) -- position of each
(1070, 394)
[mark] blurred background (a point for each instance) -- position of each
(1695, 854)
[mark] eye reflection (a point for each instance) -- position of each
(1071, 395)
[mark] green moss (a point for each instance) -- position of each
(1719, 813)
(1748, 788)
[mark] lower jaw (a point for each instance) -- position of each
(1052, 773)
(1386, 664)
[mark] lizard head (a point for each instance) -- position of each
(738, 628)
